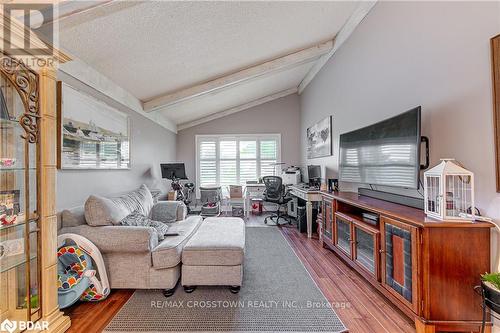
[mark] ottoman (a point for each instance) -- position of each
(214, 255)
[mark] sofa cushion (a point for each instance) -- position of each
(168, 253)
(220, 241)
(110, 211)
(73, 217)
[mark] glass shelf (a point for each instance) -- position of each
(8, 263)
(8, 123)
(8, 226)
(33, 219)
(14, 169)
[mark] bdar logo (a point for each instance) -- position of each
(8, 326)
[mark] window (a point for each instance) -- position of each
(236, 159)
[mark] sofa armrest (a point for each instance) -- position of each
(169, 211)
(117, 238)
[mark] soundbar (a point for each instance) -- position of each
(392, 197)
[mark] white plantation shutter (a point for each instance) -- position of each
(207, 163)
(248, 161)
(231, 160)
(227, 162)
(268, 157)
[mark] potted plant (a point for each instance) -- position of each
(491, 289)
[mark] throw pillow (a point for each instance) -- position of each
(103, 211)
(110, 211)
(138, 219)
(73, 217)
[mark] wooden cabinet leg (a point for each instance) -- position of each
(424, 328)
(309, 217)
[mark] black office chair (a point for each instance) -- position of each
(275, 193)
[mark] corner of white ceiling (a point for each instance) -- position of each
(363, 8)
(84, 73)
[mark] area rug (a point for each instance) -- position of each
(278, 295)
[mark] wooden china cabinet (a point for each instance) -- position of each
(427, 268)
(28, 228)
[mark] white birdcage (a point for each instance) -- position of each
(449, 191)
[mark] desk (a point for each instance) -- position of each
(252, 191)
(309, 196)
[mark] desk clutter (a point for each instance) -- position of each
(285, 195)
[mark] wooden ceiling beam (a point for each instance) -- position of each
(236, 109)
(266, 68)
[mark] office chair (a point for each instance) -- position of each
(210, 198)
(275, 193)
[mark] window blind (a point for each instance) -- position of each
(232, 160)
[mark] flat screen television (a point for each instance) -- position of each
(386, 153)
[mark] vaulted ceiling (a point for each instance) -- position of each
(190, 61)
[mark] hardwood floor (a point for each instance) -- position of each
(361, 307)
(92, 317)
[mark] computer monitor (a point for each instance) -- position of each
(173, 171)
(313, 172)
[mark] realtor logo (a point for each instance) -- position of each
(9, 326)
(38, 17)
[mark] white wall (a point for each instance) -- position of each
(279, 116)
(404, 54)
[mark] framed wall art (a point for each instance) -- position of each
(319, 139)
(92, 134)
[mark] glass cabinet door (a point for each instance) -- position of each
(343, 235)
(327, 219)
(399, 265)
(19, 266)
(366, 249)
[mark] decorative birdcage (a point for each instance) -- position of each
(449, 191)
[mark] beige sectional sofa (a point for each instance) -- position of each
(133, 255)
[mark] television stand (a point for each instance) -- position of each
(425, 267)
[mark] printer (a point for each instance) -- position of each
(291, 176)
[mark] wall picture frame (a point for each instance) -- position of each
(91, 133)
(319, 139)
(495, 75)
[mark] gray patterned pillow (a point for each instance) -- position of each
(138, 219)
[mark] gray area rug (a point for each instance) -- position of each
(278, 295)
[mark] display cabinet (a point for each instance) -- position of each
(418, 263)
(19, 187)
(28, 222)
